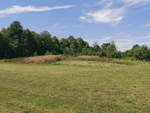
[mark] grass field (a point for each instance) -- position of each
(75, 87)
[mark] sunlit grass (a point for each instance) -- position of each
(75, 87)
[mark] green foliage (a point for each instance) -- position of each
(139, 52)
(18, 42)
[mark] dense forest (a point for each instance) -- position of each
(15, 41)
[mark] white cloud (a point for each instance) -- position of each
(134, 2)
(109, 14)
(121, 44)
(123, 41)
(105, 3)
(112, 16)
(124, 44)
(85, 19)
(107, 38)
(125, 2)
(147, 25)
(21, 9)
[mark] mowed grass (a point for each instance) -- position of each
(75, 87)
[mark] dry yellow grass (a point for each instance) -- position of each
(55, 58)
(37, 59)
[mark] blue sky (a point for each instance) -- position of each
(127, 22)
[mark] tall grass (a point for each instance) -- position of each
(55, 58)
(37, 59)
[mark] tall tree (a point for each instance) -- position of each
(16, 38)
(109, 49)
(56, 45)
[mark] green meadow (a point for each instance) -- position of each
(75, 87)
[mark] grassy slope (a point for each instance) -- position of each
(74, 88)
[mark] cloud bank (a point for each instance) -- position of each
(111, 14)
(22, 9)
(135, 2)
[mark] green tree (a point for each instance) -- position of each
(46, 36)
(109, 49)
(28, 43)
(56, 45)
(141, 52)
(15, 32)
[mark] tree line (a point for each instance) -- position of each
(15, 41)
